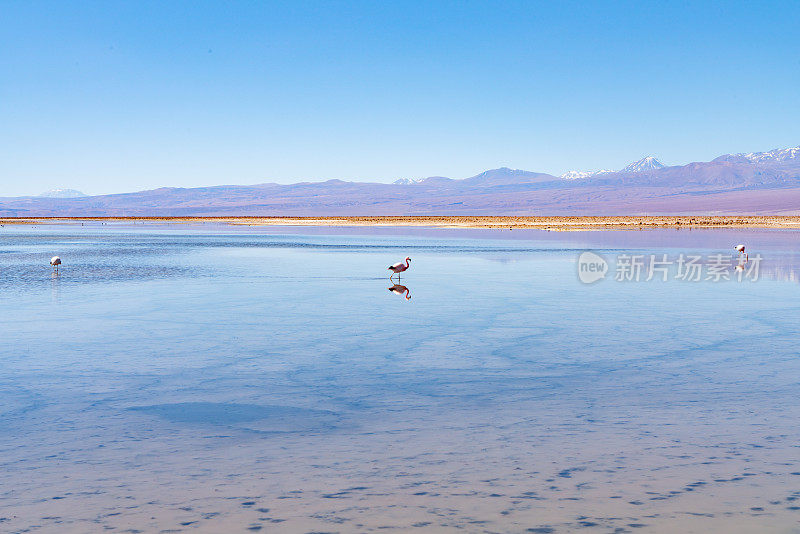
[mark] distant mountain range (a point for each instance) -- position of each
(753, 183)
(773, 156)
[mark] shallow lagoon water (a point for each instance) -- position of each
(217, 379)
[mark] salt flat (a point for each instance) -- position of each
(551, 223)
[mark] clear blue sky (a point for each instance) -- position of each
(107, 96)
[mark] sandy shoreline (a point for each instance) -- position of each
(497, 222)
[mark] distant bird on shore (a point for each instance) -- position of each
(55, 261)
(740, 250)
(399, 267)
(399, 289)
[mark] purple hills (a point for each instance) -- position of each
(754, 183)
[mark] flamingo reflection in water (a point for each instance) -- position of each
(399, 289)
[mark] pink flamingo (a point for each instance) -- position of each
(398, 268)
(742, 253)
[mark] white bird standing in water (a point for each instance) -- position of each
(55, 261)
(740, 250)
(399, 267)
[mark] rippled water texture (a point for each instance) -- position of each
(222, 380)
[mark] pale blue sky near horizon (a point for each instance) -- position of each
(111, 96)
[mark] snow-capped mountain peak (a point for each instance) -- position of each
(579, 175)
(645, 164)
(779, 154)
(62, 193)
(406, 181)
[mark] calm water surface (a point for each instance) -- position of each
(222, 380)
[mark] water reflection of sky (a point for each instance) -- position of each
(242, 378)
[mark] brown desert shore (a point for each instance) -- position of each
(563, 223)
